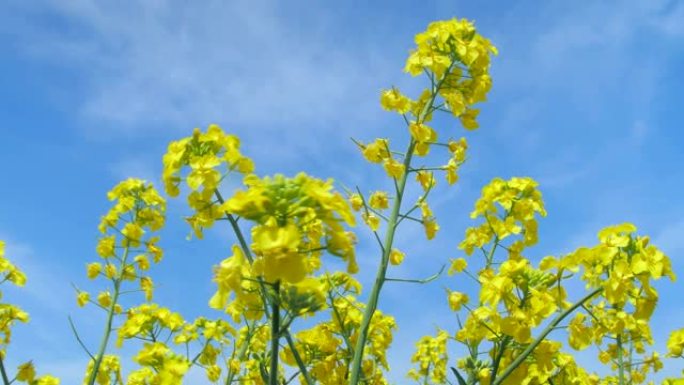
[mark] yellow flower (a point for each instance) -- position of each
(431, 228)
(110, 270)
(228, 276)
(393, 100)
(105, 247)
(579, 335)
(142, 261)
(453, 52)
(394, 168)
(457, 265)
(372, 221)
(203, 172)
(152, 354)
(155, 251)
(213, 373)
(458, 149)
(457, 299)
(356, 201)
(377, 151)
(422, 133)
(133, 233)
(82, 298)
(431, 359)
(93, 270)
(469, 118)
(617, 236)
(675, 343)
(26, 372)
(147, 286)
(605, 356)
(271, 238)
(47, 380)
(379, 200)
(104, 299)
(426, 179)
(128, 273)
(494, 287)
(396, 257)
(484, 375)
(451, 175)
(203, 153)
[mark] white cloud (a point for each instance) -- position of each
(590, 56)
(161, 66)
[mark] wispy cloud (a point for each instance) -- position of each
(158, 66)
(587, 58)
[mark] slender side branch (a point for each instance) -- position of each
(78, 338)
(240, 356)
(530, 348)
(275, 336)
(421, 281)
(298, 358)
(5, 379)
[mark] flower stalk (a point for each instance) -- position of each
(110, 318)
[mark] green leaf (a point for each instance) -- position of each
(461, 380)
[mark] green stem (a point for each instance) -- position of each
(5, 379)
(490, 255)
(499, 355)
(298, 358)
(275, 336)
(340, 323)
(240, 355)
(621, 361)
(530, 348)
(110, 319)
(372, 304)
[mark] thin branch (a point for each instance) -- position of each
(421, 281)
(530, 348)
(78, 338)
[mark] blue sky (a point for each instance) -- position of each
(587, 99)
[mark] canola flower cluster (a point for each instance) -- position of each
(210, 156)
(9, 315)
(516, 299)
(290, 308)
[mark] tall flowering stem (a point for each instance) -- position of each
(138, 209)
(381, 275)
(392, 225)
(5, 378)
(111, 311)
(456, 60)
